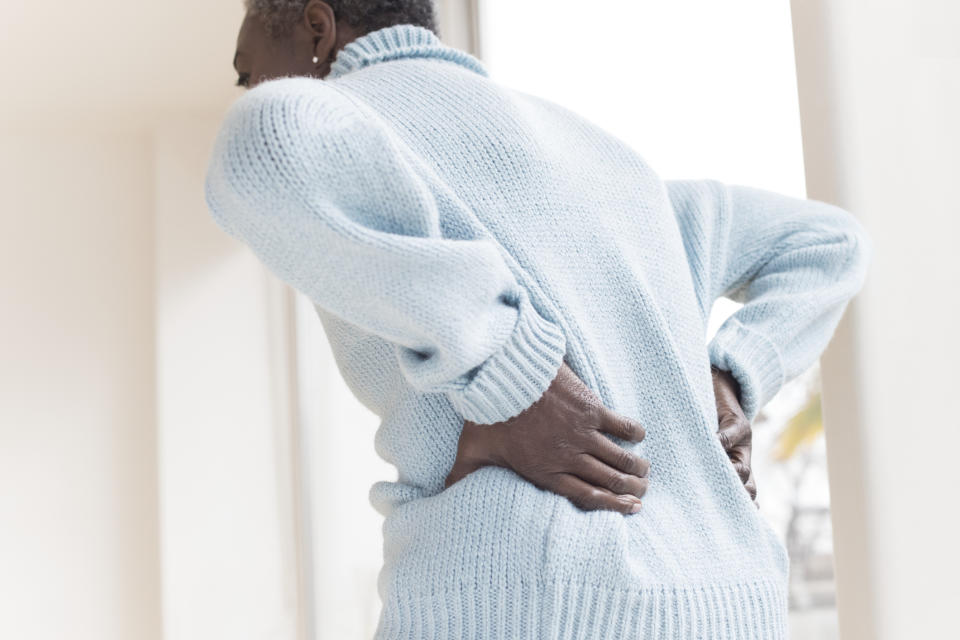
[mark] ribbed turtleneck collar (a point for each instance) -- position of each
(396, 42)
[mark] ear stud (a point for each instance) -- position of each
(316, 59)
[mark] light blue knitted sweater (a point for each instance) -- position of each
(459, 239)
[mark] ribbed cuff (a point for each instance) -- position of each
(516, 376)
(752, 359)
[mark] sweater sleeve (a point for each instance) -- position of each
(793, 263)
(327, 199)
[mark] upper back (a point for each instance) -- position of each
(584, 220)
(564, 197)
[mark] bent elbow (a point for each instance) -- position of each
(858, 248)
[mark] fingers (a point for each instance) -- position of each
(740, 457)
(617, 457)
(741, 463)
(590, 498)
(733, 430)
(603, 475)
(621, 426)
(743, 471)
(751, 486)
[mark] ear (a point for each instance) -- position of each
(319, 20)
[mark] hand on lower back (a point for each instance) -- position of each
(735, 432)
(558, 444)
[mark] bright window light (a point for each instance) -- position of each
(699, 88)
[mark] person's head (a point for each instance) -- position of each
(302, 37)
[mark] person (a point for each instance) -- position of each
(523, 301)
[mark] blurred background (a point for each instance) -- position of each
(175, 436)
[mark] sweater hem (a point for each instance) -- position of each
(525, 608)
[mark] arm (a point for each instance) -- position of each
(793, 263)
(329, 202)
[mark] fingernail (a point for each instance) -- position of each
(636, 507)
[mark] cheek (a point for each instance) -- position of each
(288, 62)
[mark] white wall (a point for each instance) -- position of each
(881, 128)
(229, 558)
(141, 496)
(79, 514)
(142, 398)
(78, 489)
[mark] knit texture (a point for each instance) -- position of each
(459, 240)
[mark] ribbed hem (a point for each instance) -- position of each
(396, 42)
(752, 359)
(527, 609)
(515, 377)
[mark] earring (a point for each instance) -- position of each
(316, 59)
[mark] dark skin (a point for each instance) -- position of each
(735, 432)
(317, 35)
(561, 442)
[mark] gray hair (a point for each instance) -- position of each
(366, 15)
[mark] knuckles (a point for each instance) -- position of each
(584, 500)
(633, 432)
(626, 460)
(724, 440)
(730, 418)
(618, 483)
(742, 470)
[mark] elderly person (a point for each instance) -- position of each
(523, 301)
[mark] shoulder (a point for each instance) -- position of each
(287, 126)
(287, 140)
(294, 105)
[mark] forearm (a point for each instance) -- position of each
(333, 206)
(811, 261)
(793, 263)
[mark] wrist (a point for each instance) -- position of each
(728, 380)
(480, 444)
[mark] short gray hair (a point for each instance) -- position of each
(366, 15)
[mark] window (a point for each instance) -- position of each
(339, 466)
